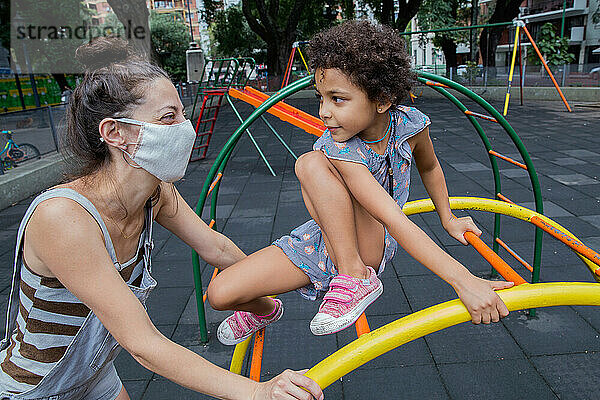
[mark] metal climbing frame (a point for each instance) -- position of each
(441, 84)
(592, 260)
(218, 76)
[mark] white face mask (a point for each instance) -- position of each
(163, 150)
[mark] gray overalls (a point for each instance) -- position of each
(86, 370)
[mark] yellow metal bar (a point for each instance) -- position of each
(495, 206)
(512, 69)
(239, 353)
(303, 60)
(441, 316)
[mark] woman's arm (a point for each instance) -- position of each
(68, 241)
(434, 181)
(477, 294)
(178, 217)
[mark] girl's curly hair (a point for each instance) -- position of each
(373, 56)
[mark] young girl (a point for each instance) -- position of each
(354, 185)
(82, 267)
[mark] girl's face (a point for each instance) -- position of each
(345, 108)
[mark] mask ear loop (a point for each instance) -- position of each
(128, 163)
(123, 152)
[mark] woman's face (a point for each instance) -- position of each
(161, 106)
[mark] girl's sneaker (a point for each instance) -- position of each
(242, 324)
(346, 300)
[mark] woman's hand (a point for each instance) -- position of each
(480, 300)
(456, 227)
(289, 385)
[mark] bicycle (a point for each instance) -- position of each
(16, 153)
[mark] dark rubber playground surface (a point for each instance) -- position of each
(555, 355)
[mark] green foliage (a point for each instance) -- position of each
(439, 14)
(170, 38)
(554, 48)
(48, 52)
(233, 37)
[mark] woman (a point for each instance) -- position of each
(82, 267)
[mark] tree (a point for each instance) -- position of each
(236, 35)
(276, 23)
(233, 37)
(134, 13)
(385, 13)
(170, 39)
(554, 48)
(439, 14)
(504, 11)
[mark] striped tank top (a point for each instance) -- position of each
(48, 319)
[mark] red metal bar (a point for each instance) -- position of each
(510, 160)
(514, 254)
(498, 263)
(520, 69)
(569, 241)
(288, 69)
(504, 198)
(486, 117)
(257, 353)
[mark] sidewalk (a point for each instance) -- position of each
(555, 355)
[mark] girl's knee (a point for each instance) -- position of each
(219, 296)
(309, 163)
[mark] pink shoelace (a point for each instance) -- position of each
(243, 322)
(344, 292)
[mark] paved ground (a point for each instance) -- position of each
(552, 356)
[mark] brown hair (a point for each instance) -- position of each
(114, 83)
(371, 55)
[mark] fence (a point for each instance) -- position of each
(48, 91)
(569, 75)
(39, 127)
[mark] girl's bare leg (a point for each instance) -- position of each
(352, 236)
(245, 285)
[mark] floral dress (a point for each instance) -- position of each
(305, 246)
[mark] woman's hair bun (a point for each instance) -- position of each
(102, 51)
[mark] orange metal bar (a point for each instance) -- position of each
(285, 112)
(504, 198)
(212, 185)
(569, 241)
(431, 83)
(510, 160)
(210, 225)
(482, 116)
(257, 353)
(498, 263)
(215, 272)
(546, 66)
(362, 325)
(514, 254)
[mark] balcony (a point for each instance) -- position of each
(552, 9)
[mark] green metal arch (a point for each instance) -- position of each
(225, 153)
